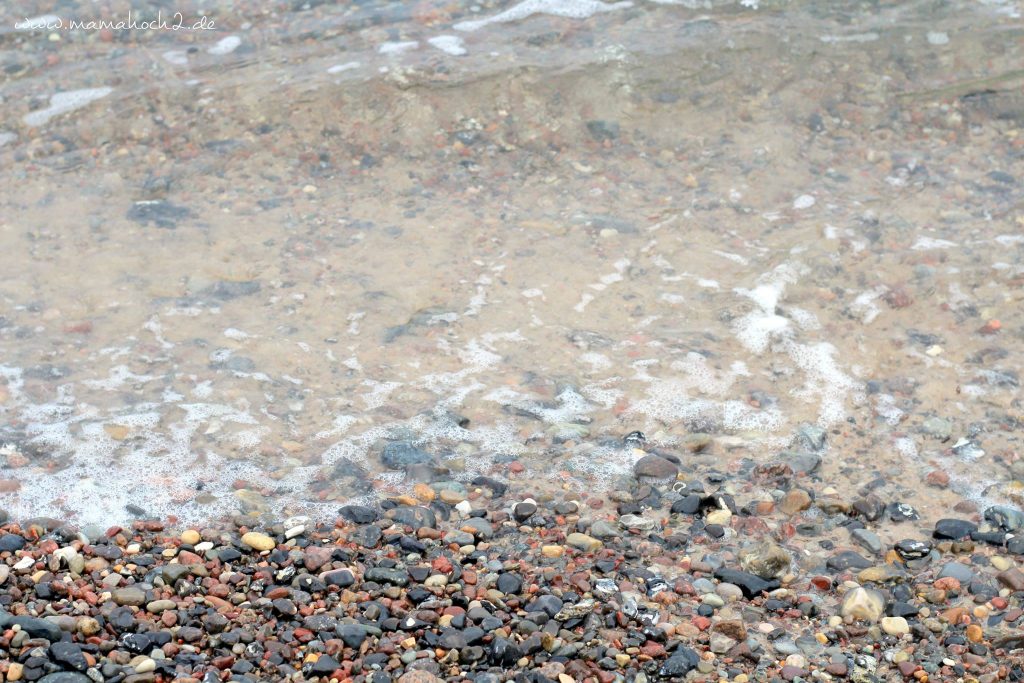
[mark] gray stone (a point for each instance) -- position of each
(481, 528)
(129, 595)
(603, 529)
(868, 540)
(655, 467)
(398, 455)
(957, 570)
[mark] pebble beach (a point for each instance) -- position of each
(570, 341)
(679, 577)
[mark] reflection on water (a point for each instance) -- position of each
(323, 252)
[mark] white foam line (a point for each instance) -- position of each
(451, 45)
(570, 9)
(604, 281)
(225, 46)
(63, 102)
(339, 68)
(732, 257)
(397, 47)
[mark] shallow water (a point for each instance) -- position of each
(241, 260)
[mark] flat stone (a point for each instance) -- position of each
(400, 454)
(655, 467)
(603, 529)
(847, 559)
(397, 577)
(587, 544)
(868, 540)
(954, 529)
(642, 524)
(130, 595)
(358, 514)
(957, 570)
(35, 628)
(479, 527)
(367, 536)
(751, 584)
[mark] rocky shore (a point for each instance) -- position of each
(498, 580)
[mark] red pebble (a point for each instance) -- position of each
(822, 583)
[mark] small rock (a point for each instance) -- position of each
(655, 467)
(863, 603)
(795, 501)
(895, 626)
(258, 542)
(587, 544)
(767, 560)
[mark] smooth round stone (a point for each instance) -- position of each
(259, 542)
(713, 600)
(895, 626)
(143, 665)
(158, 606)
(729, 591)
(130, 595)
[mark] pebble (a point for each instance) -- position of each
(583, 542)
(795, 501)
(863, 603)
(895, 626)
(258, 541)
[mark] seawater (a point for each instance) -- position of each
(240, 261)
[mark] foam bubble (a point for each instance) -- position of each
(176, 57)
(804, 201)
(225, 46)
(339, 68)
(397, 47)
(451, 45)
(925, 243)
(64, 102)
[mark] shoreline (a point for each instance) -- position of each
(668, 581)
